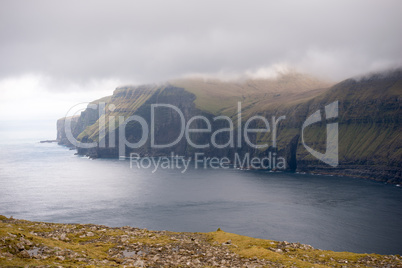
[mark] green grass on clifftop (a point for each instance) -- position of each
(30, 244)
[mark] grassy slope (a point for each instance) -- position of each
(369, 120)
(304, 256)
(268, 97)
(126, 101)
(95, 250)
(218, 97)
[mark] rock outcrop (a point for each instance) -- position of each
(39, 244)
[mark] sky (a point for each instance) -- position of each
(55, 54)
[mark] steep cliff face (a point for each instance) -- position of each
(368, 119)
(62, 131)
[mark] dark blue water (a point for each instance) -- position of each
(47, 182)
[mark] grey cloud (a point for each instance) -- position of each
(156, 40)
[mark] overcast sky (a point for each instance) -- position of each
(54, 53)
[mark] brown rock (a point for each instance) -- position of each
(24, 254)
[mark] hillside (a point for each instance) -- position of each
(370, 142)
(221, 97)
(24, 243)
(368, 121)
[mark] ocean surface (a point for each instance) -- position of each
(47, 182)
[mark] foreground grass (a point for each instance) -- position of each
(24, 244)
(299, 255)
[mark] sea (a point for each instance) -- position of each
(48, 182)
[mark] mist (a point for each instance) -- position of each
(55, 54)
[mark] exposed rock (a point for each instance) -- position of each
(89, 234)
(63, 237)
(24, 254)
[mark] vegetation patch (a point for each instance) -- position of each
(27, 244)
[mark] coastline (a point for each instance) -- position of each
(87, 245)
(389, 175)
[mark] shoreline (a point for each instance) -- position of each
(48, 244)
(361, 172)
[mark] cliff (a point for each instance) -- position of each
(368, 122)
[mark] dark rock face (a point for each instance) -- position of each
(369, 123)
(62, 133)
(291, 153)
